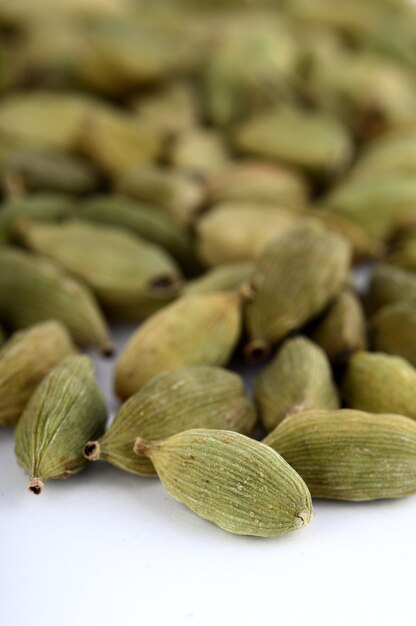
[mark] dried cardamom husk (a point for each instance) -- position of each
(259, 181)
(132, 278)
(293, 280)
(389, 285)
(393, 330)
(228, 277)
(350, 455)
(27, 357)
(144, 220)
(298, 379)
(66, 410)
(306, 139)
(236, 482)
(195, 397)
(195, 330)
(392, 153)
(175, 192)
(45, 207)
(342, 330)
(34, 289)
(380, 383)
(377, 204)
(232, 232)
(403, 254)
(199, 152)
(48, 170)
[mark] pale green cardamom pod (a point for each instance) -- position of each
(195, 330)
(196, 397)
(350, 455)
(25, 360)
(227, 277)
(199, 152)
(293, 280)
(66, 410)
(131, 277)
(390, 285)
(34, 289)
(299, 378)
(380, 383)
(394, 152)
(234, 481)
(393, 330)
(342, 330)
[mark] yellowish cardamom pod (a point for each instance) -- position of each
(393, 330)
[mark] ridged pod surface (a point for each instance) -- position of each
(299, 378)
(293, 280)
(342, 330)
(196, 397)
(236, 482)
(389, 285)
(393, 330)
(34, 289)
(131, 277)
(380, 383)
(25, 360)
(66, 410)
(194, 330)
(350, 455)
(222, 278)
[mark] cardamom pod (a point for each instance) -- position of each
(66, 410)
(380, 383)
(195, 330)
(132, 278)
(227, 277)
(196, 397)
(342, 330)
(403, 255)
(295, 278)
(299, 378)
(393, 330)
(236, 482)
(392, 153)
(389, 285)
(25, 360)
(33, 289)
(199, 152)
(350, 455)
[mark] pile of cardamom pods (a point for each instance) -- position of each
(214, 170)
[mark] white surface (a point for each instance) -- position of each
(107, 548)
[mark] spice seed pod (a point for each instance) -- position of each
(25, 360)
(393, 331)
(33, 289)
(194, 330)
(234, 481)
(389, 285)
(66, 410)
(350, 455)
(342, 330)
(298, 379)
(294, 279)
(228, 277)
(196, 397)
(380, 383)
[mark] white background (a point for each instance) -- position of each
(106, 548)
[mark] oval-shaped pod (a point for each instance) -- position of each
(225, 278)
(236, 482)
(194, 330)
(66, 410)
(393, 330)
(350, 455)
(25, 360)
(195, 397)
(299, 378)
(389, 285)
(34, 289)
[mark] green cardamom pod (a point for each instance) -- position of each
(393, 330)
(25, 360)
(389, 285)
(394, 152)
(350, 455)
(199, 152)
(403, 254)
(236, 482)
(228, 277)
(131, 277)
(195, 330)
(299, 378)
(380, 383)
(196, 397)
(34, 289)
(342, 330)
(292, 281)
(66, 410)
